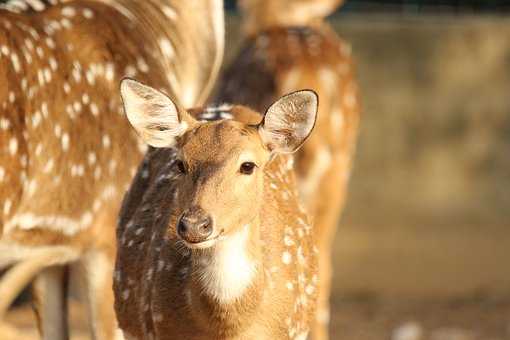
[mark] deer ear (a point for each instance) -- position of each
(289, 121)
(155, 117)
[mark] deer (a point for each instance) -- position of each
(213, 242)
(289, 46)
(67, 152)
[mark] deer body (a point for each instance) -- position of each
(68, 153)
(285, 52)
(255, 276)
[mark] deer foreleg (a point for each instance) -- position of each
(50, 303)
(97, 269)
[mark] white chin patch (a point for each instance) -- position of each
(201, 245)
(228, 271)
(205, 244)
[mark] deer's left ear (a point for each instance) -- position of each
(289, 121)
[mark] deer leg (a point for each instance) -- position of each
(327, 217)
(50, 303)
(97, 270)
(320, 326)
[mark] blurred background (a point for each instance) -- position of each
(423, 248)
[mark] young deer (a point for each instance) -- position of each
(289, 47)
(67, 152)
(212, 241)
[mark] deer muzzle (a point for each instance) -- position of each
(195, 225)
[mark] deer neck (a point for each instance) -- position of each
(227, 280)
(226, 271)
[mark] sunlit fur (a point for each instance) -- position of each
(289, 46)
(255, 277)
(67, 153)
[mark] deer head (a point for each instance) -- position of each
(221, 163)
(263, 14)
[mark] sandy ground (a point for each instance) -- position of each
(459, 320)
(357, 319)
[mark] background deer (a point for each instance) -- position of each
(67, 153)
(212, 241)
(288, 47)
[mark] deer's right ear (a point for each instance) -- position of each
(289, 121)
(155, 117)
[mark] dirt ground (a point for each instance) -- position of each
(460, 320)
(358, 319)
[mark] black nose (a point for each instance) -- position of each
(194, 225)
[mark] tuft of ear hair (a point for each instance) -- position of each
(156, 118)
(289, 121)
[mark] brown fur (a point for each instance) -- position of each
(261, 15)
(68, 153)
(277, 58)
(157, 279)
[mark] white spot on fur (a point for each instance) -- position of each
(67, 226)
(169, 12)
(88, 13)
(288, 241)
(38, 149)
(408, 331)
(167, 48)
(142, 65)
(15, 62)
(286, 257)
(337, 120)
(322, 316)
(69, 11)
(48, 166)
(91, 158)
(4, 123)
(106, 141)
(58, 130)
(94, 109)
(350, 99)
(36, 119)
(13, 146)
(65, 142)
(302, 336)
(130, 71)
(320, 165)
(7, 207)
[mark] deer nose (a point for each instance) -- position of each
(195, 225)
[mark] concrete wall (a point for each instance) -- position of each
(429, 210)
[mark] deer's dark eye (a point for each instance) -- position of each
(180, 166)
(247, 168)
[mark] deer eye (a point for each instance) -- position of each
(180, 166)
(247, 168)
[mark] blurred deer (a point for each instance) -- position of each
(67, 153)
(288, 47)
(213, 243)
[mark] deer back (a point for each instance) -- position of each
(284, 59)
(259, 15)
(68, 153)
